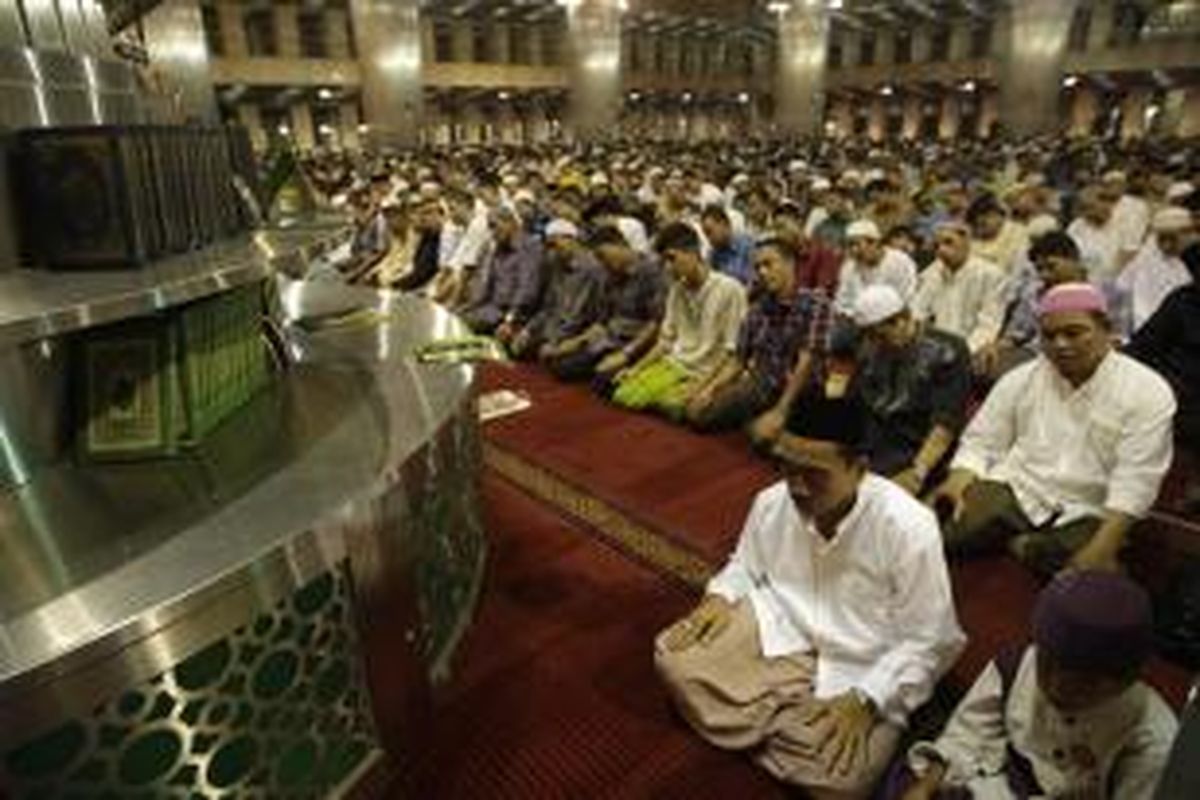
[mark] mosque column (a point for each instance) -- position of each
(1085, 106)
(286, 18)
(337, 33)
(303, 134)
(851, 41)
(1032, 56)
(233, 29)
(922, 44)
(594, 67)
(800, 80)
(250, 117)
(349, 122)
(989, 113)
(462, 40)
(501, 42)
(960, 41)
(178, 51)
(389, 54)
(841, 114)
(1189, 114)
(912, 117)
(1100, 27)
(1133, 113)
(950, 118)
(877, 119)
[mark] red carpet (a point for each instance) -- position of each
(556, 694)
(695, 491)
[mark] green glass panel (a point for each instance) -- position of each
(131, 704)
(332, 682)
(149, 757)
(342, 758)
(205, 668)
(232, 762)
(276, 674)
(49, 754)
(298, 764)
(313, 597)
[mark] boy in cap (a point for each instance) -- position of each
(1067, 451)
(829, 625)
(1065, 717)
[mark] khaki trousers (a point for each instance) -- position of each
(739, 700)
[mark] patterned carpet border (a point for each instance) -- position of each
(611, 525)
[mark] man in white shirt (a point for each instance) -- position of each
(1131, 213)
(961, 293)
(1101, 240)
(1068, 450)
(870, 262)
(997, 238)
(1157, 270)
(831, 623)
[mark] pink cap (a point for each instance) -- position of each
(1073, 297)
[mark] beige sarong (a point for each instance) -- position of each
(738, 699)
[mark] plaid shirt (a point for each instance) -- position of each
(774, 333)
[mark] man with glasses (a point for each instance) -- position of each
(830, 624)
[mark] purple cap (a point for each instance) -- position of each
(1094, 622)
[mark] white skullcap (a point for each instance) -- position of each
(525, 195)
(821, 184)
(1041, 225)
(1179, 190)
(599, 179)
(863, 229)
(1114, 176)
(431, 188)
(511, 180)
(710, 195)
(635, 233)
(799, 165)
(562, 227)
(877, 304)
(740, 179)
(875, 175)
(851, 176)
(655, 171)
(1172, 219)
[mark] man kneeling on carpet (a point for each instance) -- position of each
(830, 624)
(1066, 717)
(699, 333)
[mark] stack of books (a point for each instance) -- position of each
(158, 386)
(110, 196)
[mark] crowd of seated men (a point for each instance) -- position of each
(947, 349)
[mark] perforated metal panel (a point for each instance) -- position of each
(277, 710)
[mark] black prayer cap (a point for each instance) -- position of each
(842, 420)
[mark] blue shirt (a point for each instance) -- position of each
(735, 259)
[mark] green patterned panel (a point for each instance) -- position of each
(448, 536)
(277, 710)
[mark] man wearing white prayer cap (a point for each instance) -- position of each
(869, 262)
(1157, 269)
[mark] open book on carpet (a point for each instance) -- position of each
(502, 403)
